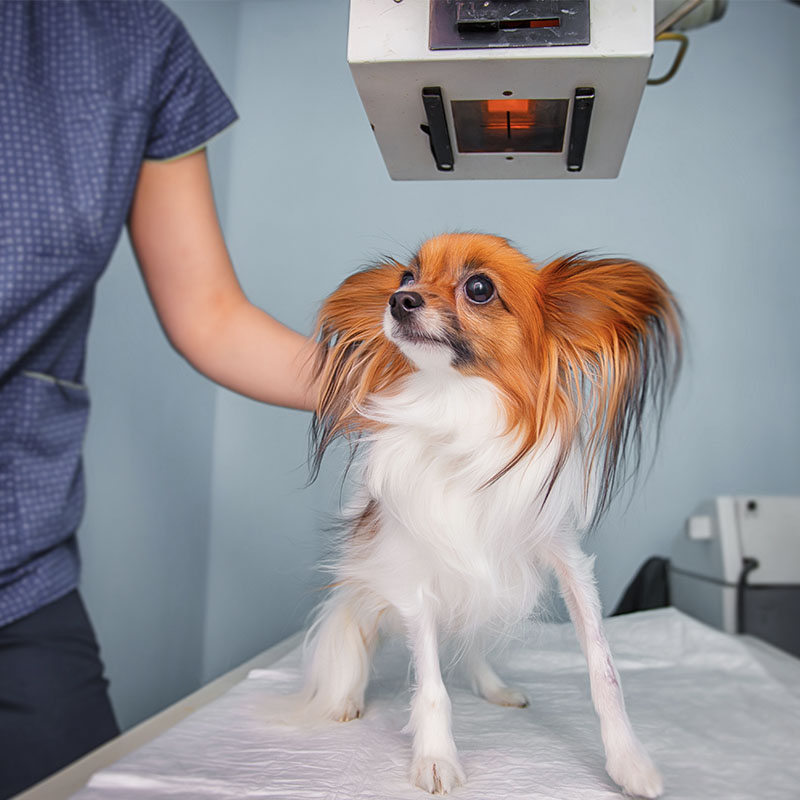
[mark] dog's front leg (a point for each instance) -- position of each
(627, 762)
(435, 765)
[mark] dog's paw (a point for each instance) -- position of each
(437, 775)
(351, 709)
(636, 773)
(506, 696)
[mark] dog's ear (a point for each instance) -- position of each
(616, 329)
(354, 357)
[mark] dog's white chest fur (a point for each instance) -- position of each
(443, 524)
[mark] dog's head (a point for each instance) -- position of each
(575, 343)
(456, 306)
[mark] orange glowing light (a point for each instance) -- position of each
(511, 106)
(521, 125)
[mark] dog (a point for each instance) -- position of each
(495, 408)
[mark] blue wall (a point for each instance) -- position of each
(200, 538)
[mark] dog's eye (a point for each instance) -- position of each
(408, 277)
(479, 289)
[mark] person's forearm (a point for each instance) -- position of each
(203, 310)
(250, 352)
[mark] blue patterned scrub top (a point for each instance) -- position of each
(88, 89)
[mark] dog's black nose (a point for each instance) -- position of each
(404, 303)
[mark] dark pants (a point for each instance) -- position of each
(54, 704)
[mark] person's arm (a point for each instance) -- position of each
(181, 251)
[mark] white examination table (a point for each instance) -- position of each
(719, 714)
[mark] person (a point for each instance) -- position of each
(106, 108)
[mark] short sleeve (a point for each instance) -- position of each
(188, 105)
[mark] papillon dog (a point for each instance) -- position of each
(495, 407)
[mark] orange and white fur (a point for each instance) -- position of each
(494, 405)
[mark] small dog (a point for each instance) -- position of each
(495, 407)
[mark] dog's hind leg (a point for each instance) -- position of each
(627, 762)
(487, 683)
(338, 653)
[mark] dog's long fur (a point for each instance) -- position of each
(491, 433)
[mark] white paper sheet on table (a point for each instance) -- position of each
(715, 720)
